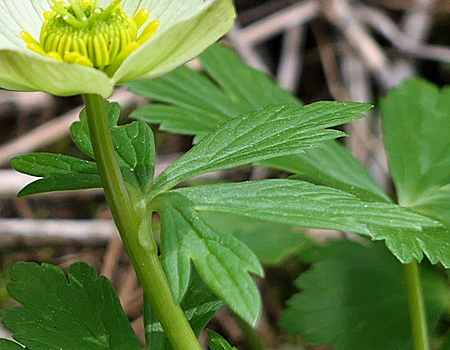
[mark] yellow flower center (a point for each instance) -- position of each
(85, 34)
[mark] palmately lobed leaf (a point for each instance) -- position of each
(271, 132)
(81, 312)
(192, 103)
(134, 145)
(358, 292)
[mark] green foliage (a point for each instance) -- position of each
(296, 202)
(217, 342)
(82, 312)
(301, 203)
(199, 304)
(331, 165)
(220, 259)
(134, 145)
(273, 131)
(187, 102)
(354, 296)
(416, 121)
(271, 242)
(9, 345)
(192, 104)
(58, 172)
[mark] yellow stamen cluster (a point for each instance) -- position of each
(83, 33)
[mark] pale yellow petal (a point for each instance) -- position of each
(32, 72)
(174, 45)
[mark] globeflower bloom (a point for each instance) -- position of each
(89, 46)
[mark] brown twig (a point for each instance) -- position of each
(328, 59)
(289, 68)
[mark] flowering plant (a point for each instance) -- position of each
(183, 29)
(240, 117)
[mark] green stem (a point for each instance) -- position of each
(417, 307)
(141, 248)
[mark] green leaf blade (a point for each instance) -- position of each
(349, 281)
(217, 342)
(408, 235)
(69, 182)
(302, 203)
(135, 147)
(274, 131)
(177, 119)
(187, 102)
(222, 261)
(416, 123)
(253, 89)
(188, 89)
(82, 312)
(58, 172)
(48, 164)
(79, 130)
(134, 144)
(331, 165)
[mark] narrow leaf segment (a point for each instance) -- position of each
(271, 132)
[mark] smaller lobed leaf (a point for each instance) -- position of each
(222, 261)
(133, 142)
(80, 129)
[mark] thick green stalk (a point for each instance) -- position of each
(417, 307)
(140, 247)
